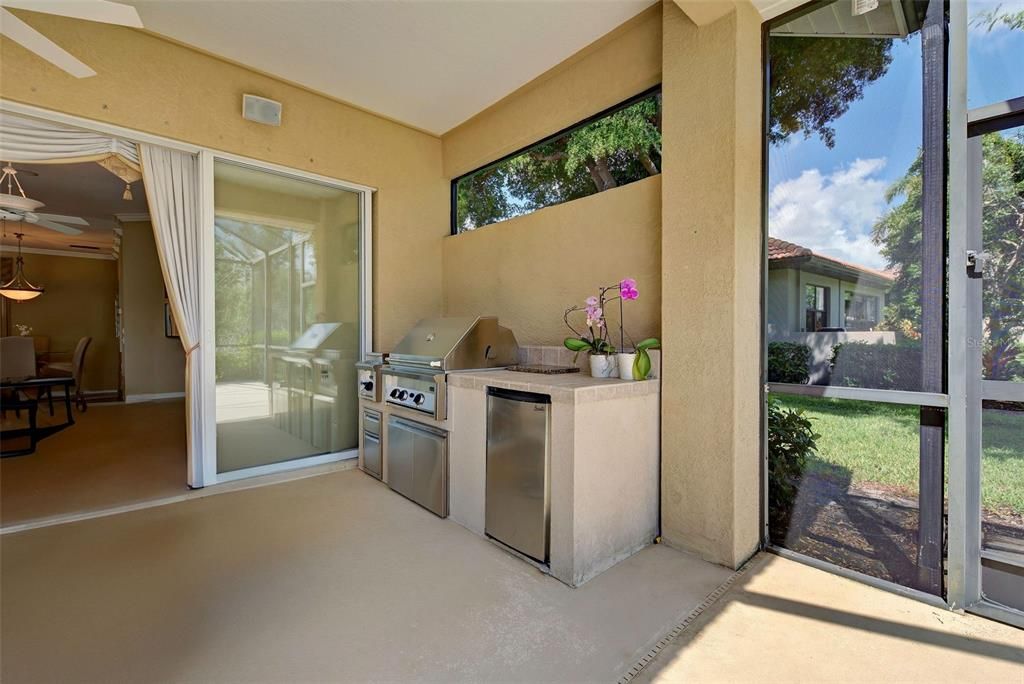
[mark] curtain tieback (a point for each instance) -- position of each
(191, 349)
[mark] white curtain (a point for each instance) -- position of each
(172, 190)
(44, 142)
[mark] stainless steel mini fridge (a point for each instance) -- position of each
(518, 493)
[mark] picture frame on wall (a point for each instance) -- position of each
(170, 329)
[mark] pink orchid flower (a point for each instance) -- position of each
(627, 289)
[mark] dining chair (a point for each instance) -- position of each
(17, 360)
(17, 357)
(75, 368)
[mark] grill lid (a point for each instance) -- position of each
(457, 344)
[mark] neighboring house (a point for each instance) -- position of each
(822, 301)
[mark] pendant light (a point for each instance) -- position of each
(19, 288)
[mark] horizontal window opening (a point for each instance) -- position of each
(611, 149)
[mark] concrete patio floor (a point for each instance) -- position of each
(330, 578)
(782, 621)
(335, 578)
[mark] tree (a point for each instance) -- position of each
(611, 151)
(898, 233)
(813, 81)
(993, 18)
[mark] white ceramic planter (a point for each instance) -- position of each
(604, 366)
(626, 365)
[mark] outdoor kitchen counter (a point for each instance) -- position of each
(605, 443)
(566, 387)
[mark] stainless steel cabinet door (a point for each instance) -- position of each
(517, 491)
(371, 454)
(430, 466)
(400, 452)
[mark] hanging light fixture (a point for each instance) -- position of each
(19, 288)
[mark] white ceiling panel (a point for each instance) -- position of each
(431, 64)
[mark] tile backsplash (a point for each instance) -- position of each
(560, 356)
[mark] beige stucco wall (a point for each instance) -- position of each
(711, 257)
(614, 68)
(153, 363)
(79, 301)
(529, 269)
(151, 84)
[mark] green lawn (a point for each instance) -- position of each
(870, 442)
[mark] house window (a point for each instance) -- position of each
(614, 148)
(861, 311)
(816, 305)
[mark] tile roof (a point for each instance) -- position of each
(780, 249)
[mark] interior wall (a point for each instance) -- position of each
(79, 301)
(191, 96)
(711, 257)
(153, 362)
(529, 269)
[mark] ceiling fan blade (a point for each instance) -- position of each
(89, 10)
(67, 230)
(34, 41)
(73, 220)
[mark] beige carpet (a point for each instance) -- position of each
(114, 454)
(783, 621)
(332, 579)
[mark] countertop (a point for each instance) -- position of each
(567, 387)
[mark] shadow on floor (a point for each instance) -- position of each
(785, 621)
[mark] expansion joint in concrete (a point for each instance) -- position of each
(690, 618)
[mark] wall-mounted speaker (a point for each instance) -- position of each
(261, 110)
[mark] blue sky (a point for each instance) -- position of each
(828, 200)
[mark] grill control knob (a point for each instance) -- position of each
(402, 395)
(394, 394)
(367, 385)
(418, 399)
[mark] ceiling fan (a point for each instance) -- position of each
(102, 11)
(21, 208)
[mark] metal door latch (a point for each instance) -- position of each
(977, 262)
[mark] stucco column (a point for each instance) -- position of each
(711, 264)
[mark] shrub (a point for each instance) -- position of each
(791, 440)
(234, 363)
(877, 366)
(789, 362)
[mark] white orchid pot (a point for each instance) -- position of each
(626, 360)
(604, 366)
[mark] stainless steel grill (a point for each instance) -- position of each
(415, 372)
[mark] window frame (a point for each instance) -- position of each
(453, 194)
(870, 304)
(936, 395)
(824, 293)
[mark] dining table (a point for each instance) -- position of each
(23, 393)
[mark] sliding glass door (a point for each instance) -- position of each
(992, 580)
(288, 309)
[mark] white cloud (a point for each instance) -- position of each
(832, 214)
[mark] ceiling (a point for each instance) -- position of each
(86, 190)
(431, 65)
(890, 18)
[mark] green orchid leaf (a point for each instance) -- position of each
(576, 345)
(649, 343)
